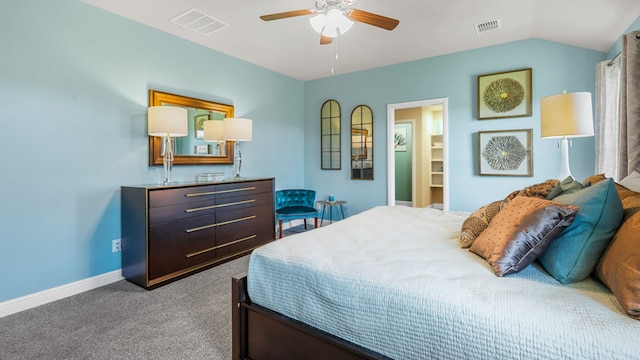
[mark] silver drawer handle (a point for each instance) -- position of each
(237, 203)
(220, 192)
(220, 246)
(217, 206)
(201, 208)
(200, 252)
(237, 241)
(219, 224)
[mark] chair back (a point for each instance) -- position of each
(295, 197)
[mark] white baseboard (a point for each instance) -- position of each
(46, 296)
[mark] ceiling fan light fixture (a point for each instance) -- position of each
(317, 22)
(331, 25)
(336, 23)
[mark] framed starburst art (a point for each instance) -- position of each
(504, 95)
(505, 152)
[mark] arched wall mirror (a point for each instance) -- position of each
(193, 149)
(330, 136)
(362, 143)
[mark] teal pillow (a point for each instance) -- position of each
(574, 254)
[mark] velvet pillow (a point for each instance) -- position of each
(575, 253)
(619, 267)
(477, 222)
(521, 231)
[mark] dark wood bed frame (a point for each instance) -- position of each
(262, 334)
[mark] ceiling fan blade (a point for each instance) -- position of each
(324, 40)
(288, 14)
(372, 19)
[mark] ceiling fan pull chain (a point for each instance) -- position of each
(332, 57)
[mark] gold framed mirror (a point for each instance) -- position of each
(362, 143)
(192, 149)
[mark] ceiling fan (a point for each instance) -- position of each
(335, 17)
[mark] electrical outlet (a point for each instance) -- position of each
(116, 245)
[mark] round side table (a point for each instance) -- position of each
(331, 204)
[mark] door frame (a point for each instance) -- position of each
(391, 162)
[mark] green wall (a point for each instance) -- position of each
(403, 169)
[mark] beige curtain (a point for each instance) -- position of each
(630, 105)
(607, 122)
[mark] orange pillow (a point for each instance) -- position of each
(619, 266)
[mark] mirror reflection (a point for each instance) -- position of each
(362, 143)
(197, 148)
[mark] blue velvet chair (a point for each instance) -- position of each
(296, 204)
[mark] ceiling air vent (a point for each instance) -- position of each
(488, 26)
(199, 22)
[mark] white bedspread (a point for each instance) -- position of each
(394, 280)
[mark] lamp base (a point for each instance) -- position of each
(237, 160)
(167, 160)
(565, 171)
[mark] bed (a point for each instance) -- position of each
(394, 283)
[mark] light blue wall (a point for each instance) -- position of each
(74, 84)
(556, 67)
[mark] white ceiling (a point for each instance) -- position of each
(427, 28)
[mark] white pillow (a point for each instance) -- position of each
(631, 182)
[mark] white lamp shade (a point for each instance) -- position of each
(213, 130)
(167, 121)
(238, 129)
(566, 115)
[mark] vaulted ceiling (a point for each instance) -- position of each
(427, 28)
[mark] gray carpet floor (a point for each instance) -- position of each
(187, 319)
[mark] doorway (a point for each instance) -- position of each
(427, 174)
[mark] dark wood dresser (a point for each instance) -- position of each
(169, 232)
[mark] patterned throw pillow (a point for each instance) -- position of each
(477, 222)
(521, 231)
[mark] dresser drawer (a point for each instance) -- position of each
(158, 215)
(241, 189)
(165, 197)
(177, 232)
(244, 201)
(180, 257)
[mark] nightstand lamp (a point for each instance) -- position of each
(566, 116)
(167, 122)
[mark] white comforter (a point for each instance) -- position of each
(394, 280)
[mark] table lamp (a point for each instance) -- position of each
(237, 130)
(566, 116)
(167, 122)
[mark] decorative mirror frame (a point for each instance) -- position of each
(157, 98)
(361, 140)
(330, 125)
